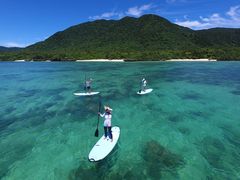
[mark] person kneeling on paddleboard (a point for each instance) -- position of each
(107, 122)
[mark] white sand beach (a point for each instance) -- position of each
(101, 60)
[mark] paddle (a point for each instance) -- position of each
(99, 108)
(85, 86)
(140, 87)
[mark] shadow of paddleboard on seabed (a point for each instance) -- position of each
(107, 163)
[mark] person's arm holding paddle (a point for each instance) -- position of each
(102, 115)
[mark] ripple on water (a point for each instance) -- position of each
(7, 121)
(9, 110)
(15, 148)
(25, 93)
(232, 135)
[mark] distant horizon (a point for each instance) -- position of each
(25, 23)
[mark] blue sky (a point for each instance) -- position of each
(24, 22)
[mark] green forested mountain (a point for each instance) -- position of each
(218, 37)
(149, 32)
(149, 37)
(7, 49)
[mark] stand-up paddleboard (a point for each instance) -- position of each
(144, 92)
(86, 94)
(104, 146)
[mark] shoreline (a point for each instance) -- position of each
(101, 60)
(128, 60)
(120, 60)
(192, 60)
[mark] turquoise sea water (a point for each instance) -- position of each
(187, 128)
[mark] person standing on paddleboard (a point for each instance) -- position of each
(88, 85)
(107, 122)
(144, 84)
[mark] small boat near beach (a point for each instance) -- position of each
(21, 60)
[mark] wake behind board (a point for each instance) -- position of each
(144, 92)
(104, 146)
(86, 94)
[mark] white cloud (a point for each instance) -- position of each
(14, 44)
(133, 11)
(107, 15)
(234, 12)
(185, 17)
(192, 24)
(138, 11)
(146, 7)
(231, 20)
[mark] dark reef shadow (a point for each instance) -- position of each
(190, 96)
(184, 130)
(159, 159)
(212, 149)
(236, 92)
(175, 118)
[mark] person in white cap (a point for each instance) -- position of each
(107, 122)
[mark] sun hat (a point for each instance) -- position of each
(107, 108)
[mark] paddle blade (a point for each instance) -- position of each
(96, 133)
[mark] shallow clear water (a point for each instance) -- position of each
(187, 128)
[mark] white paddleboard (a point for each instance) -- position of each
(86, 94)
(104, 146)
(145, 92)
